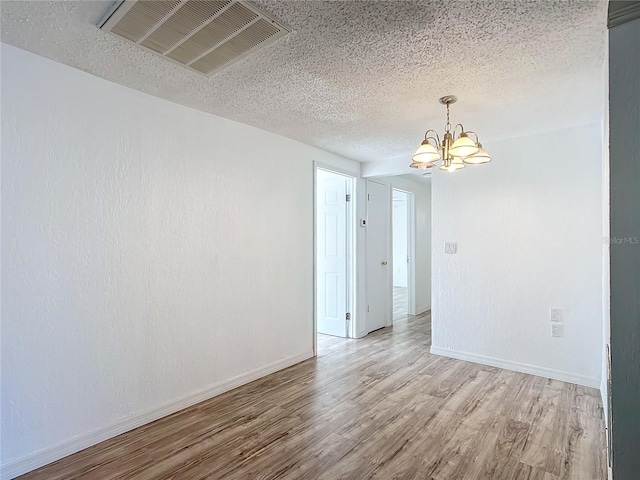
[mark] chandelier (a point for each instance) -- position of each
(455, 153)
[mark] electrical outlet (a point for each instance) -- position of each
(450, 247)
(556, 314)
(556, 330)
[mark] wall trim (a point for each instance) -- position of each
(518, 367)
(607, 431)
(43, 457)
(422, 310)
(603, 397)
(622, 12)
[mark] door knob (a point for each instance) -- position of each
(384, 262)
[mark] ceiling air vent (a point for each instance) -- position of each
(202, 35)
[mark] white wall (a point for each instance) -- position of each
(400, 225)
(422, 198)
(152, 255)
(529, 233)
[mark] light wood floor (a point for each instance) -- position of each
(400, 302)
(380, 407)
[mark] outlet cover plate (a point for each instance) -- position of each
(450, 247)
(555, 314)
(556, 330)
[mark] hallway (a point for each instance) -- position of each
(377, 407)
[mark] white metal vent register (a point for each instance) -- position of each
(204, 35)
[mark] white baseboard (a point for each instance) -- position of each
(518, 367)
(38, 459)
(422, 310)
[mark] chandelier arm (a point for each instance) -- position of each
(427, 133)
(437, 137)
(455, 128)
(474, 134)
(434, 139)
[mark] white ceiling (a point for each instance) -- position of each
(363, 78)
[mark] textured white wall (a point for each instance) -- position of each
(529, 233)
(149, 251)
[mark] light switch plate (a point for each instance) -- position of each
(450, 247)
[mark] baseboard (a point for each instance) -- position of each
(518, 367)
(26, 464)
(422, 310)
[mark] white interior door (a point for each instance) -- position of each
(331, 256)
(378, 282)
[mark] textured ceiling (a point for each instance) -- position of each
(363, 78)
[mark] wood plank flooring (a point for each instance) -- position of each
(400, 302)
(380, 407)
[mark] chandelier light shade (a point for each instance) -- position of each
(426, 153)
(463, 146)
(478, 158)
(455, 152)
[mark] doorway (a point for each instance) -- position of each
(402, 253)
(334, 241)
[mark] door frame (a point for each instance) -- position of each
(411, 249)
(351, 249)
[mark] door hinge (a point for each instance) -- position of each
(348, 316)
(348, 197)
(368, 308)
(368, 196)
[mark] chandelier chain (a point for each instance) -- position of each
(448, 125)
